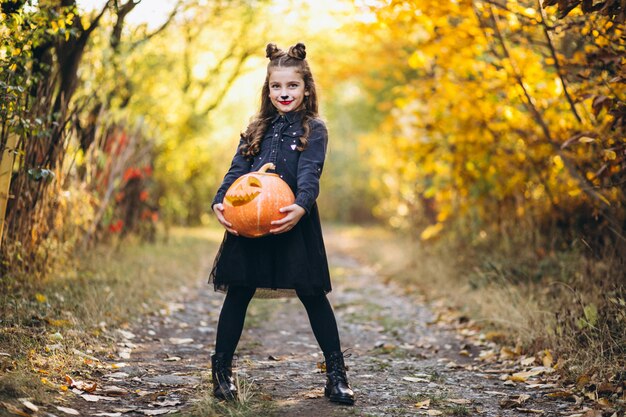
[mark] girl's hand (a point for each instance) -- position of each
(294, 214)
(219, 212)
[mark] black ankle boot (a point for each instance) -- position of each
(222, 375)
(337, 388)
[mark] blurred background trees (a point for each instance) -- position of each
(465, 119)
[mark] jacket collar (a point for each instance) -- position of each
(291, 117)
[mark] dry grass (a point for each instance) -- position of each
(247, 404)
(43, 321)
(564, 300)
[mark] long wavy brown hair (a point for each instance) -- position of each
(295, 57)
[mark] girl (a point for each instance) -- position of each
(291, 260)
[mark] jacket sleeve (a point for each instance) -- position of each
(310, 165)
(239, 166)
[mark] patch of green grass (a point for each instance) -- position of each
(437, 398)
(436, 377)
(457, 410)
(260, 311)
(249, 403)
(379, 364)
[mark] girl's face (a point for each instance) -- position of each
(287, 90)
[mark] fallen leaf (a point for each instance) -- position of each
(514, 401)
(561, 394)
(423, 404)
(413, 379)
(156, 411)
(171, 403)
(507, 353)
(114, 391)
(84, 355)
(14, 410)
(118, 365)
(180, 341)
(606, 388)
(582, 381)
(126, 334)
(527, 361)
(108, 414)
(124, 353)
(81, 385)
(495, 336)
(32, 407)
(529, 411)
(172, 359)
(523, 376)
(118, 375)
(95, 398)
(547, 359)
(58, 322)
(459, 401)
(593, 413)
(434, 413)
(56, 336)
(67, 410)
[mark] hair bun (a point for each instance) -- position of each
(297, 51)
(272, 51)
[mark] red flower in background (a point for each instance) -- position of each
(132, 173)
(116, 227)
(143, 196)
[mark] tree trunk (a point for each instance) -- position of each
(6, 172)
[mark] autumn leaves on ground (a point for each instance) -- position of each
(479, 148)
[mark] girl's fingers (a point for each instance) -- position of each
(281, 229)
(287, 209)
(219, 209)
(285, 225)
(284, 220)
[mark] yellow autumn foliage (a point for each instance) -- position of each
(496, 112)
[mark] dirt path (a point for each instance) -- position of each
(399, 364)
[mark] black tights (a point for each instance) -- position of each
(233, 315)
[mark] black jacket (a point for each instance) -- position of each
(301, 170)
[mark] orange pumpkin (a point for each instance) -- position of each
(253, 200)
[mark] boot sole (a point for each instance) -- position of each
(337, 399)
(221, 396)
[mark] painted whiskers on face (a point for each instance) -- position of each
(287, 89)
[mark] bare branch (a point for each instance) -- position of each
(557, 65)
(233, 76)
(121, 12)
(161, 28)
(529, 103)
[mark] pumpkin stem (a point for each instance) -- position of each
(267, 166)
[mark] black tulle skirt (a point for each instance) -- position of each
(276, 265)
